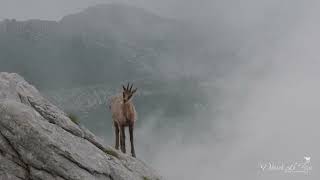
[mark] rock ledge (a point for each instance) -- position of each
(39, 142)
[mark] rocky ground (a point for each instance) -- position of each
(38, 141)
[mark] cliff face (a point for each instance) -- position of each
(39, 142)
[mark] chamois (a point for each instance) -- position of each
(123, 115)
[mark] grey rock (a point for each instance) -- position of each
(39, 142)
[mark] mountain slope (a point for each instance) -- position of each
(103, 43)
(39, 141)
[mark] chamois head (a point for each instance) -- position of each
(127, 92)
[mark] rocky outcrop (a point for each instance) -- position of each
(38, 141)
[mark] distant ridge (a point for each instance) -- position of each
(98, 41)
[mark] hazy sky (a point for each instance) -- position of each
(55, 9)
(42, 9)
(227, 13)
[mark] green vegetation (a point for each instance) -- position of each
(73, 118)
(112, 153)
(145, 178)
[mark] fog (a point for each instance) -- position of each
(276, 120)
(268, 109)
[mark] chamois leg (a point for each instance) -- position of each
(131, 140)
(122, 139)
(116, 131)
